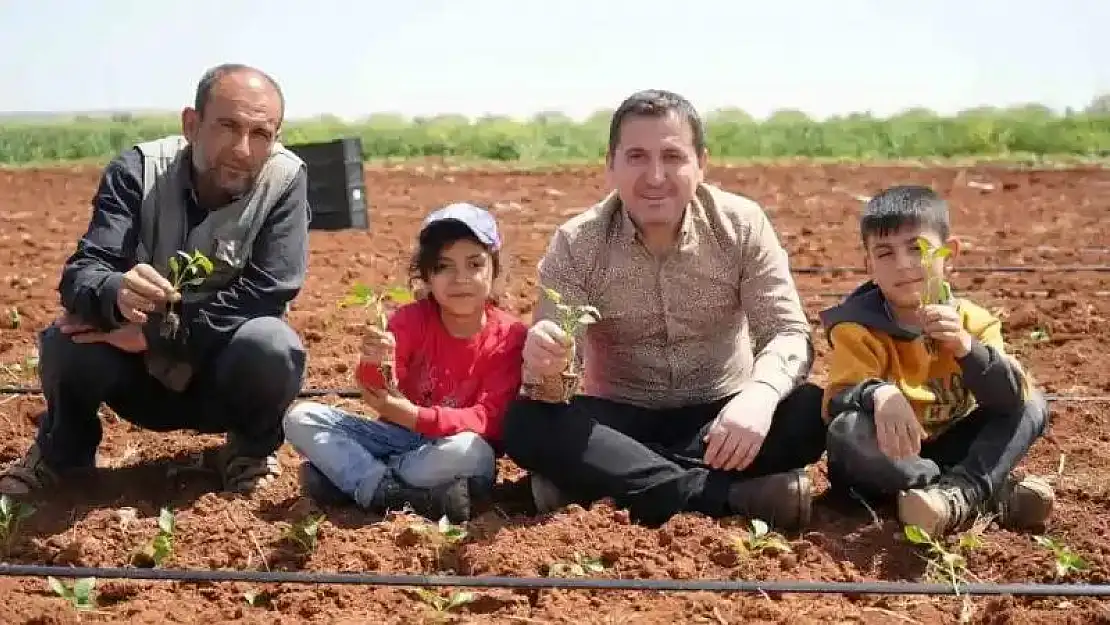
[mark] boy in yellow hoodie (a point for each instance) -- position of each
(923, 403)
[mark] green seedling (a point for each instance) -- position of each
(16, 370)
(12, 515)
(1039, 335)
(80, 595)
(256, 598)
(937, 289)
(443, 605)
(441, 535)
(186, 271)
(946, 566)
(759, 539)
(579, 566)
(304, 533)
(1066, 560)
(377, 305)
(570, 318)
(13, 319)
(160, 548)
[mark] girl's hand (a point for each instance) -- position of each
(377, 346)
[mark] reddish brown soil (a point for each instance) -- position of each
(1056, 218)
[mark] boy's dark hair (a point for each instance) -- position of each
(900, 206)
(431, 243)
(656, 103)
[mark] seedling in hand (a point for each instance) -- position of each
(160, 548)
(304, 533)
(186, 271)
(12, 514)
(570, 319)
(937, 289)
(80, 595)
(759, 539)
(378, 305)
(1066, 560)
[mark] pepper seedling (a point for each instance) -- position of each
(186, 271)
(570, 318)
(378, 305)
(937, 289)
(155, 552)
(80, 595)
(12, 515)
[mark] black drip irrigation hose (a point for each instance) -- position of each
(974, 269)
(674, 585)
(355, 394)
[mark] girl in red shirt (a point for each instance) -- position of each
(458, 364)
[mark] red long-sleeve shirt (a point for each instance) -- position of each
(460, 384)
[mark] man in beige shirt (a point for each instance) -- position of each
(692, 394)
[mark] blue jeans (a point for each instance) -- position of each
(355, 453)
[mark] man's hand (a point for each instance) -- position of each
(896, 426)
(546, 349)
(129, 338)
(737, 435)
(377, 346)
(144, 290)
(942, 323)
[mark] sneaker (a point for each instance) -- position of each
(321, 489)
(948, 506)
(936, 509)
(782, 500)
(28, 474)
(451, 499)
(1026, 503)
(546, 496)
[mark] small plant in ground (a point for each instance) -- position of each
(570, 319)
(29, 366)
(579, 566)
(160, 548)
(304, 533)
(442, 605)
(946, 566)
(760, 538)
(256, 598)
(1066, 560)
(80, 595)
(13, 318)
(377, 305)
(12, 514)
(1039, 335)
(440, 535)
(186, 270)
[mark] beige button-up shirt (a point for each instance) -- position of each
(718, 312)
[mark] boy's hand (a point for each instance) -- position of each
(942, 323)
(377, 346)
(896, 426)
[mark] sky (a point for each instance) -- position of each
(518, 57)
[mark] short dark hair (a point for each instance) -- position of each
(212, 77)
(656, 103)
(900, 206)
(438, 236)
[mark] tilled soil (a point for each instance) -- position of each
(1056, 320)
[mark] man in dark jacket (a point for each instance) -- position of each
(168, 348)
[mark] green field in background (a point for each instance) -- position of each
(1021, 133)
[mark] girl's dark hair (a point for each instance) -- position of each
(430, 245)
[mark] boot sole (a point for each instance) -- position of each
(914, 509)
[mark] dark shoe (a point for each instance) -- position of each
(451, 499)
(321, 489)
(782, 500)
(28, 475)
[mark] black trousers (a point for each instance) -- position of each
(244, 391)
(982, 448)
(651, 461)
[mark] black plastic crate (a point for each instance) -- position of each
(336, 184)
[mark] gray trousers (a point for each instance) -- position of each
(244, 391)
(982, 449)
